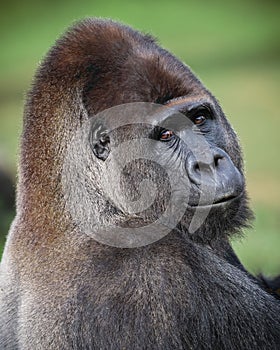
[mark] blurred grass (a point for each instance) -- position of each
(233, 46)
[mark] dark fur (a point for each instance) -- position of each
(60, 289)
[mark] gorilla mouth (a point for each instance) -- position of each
(220, 202)
(226, 199)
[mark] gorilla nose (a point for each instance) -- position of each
(206, 164)
(215, 172)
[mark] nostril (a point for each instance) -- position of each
(193, 169)
(217, 159)
(196, 167)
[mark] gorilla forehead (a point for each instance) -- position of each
(122, 65)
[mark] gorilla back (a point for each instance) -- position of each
(61, 288)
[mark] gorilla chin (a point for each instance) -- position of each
(208, 223)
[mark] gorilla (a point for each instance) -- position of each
(131, 185)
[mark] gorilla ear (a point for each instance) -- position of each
(101, 147)
(99, 141)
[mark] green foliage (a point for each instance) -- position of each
(259, 248)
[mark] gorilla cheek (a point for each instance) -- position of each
(142, 195)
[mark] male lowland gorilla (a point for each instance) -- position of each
(63, 289)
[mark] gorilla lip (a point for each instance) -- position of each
(225, 201)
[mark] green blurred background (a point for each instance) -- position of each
(233, 46)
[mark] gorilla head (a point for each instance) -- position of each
(155, 146)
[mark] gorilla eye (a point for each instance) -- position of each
(166, 135)
(199, 120)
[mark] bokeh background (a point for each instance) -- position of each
(233, 46)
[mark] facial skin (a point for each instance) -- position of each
(184, 136)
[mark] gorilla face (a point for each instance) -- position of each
(210, 167)
(183, 168)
